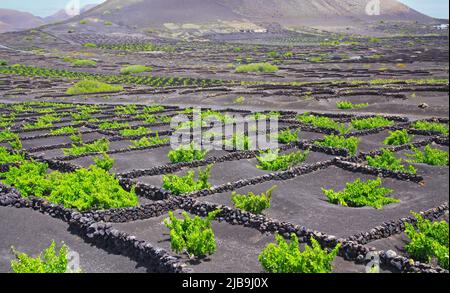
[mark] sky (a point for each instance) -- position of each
(435, 8)
(42, 8)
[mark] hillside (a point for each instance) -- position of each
(62, 15)
(12, 20)
(159, 13)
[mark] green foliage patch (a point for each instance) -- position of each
(8, 135)
(135, 131)
(272, 161)
(361, 194)
(153, 81)
(430, 156)
(98, 146)
(371, 123)
(187, 153)
(148, 141)
(239, 142)
(257, 67)
(113, 125)
(91, 87)
(135, 69)
(84, 189)
(347, 105)
(323, 122)
(288, 136)
(64, 130)
(284, 257)
(335, 141)
(398, 137)
(192, 235)
(48, 262)
(105, 162)
(431, 126)
(42, 122)
(388, 161)
(7, 157)
(126, 110)
(251, 202)
(428, 241)
(179, 185)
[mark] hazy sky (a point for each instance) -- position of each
(42, 7)
(435, 8)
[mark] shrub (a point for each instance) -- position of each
(7, 158)
(188, 153)
(76, 138)
(351, 144)
(239, 142)
(3, 62)
(191, 124)
(205, 115)
(361, 194)
(92, 86)
(257, 67)
(126, 110)
(272, 161)
(105, 162)
(148, 141)
(153, 109)
(84, 189)
(323, 122)
(148, 118)
(84, 63)
(428, 241)
(113, 125)
(347, 105)
(8, 135)
(253, 203)
(288, 136)
(371, 123)
(186, 184)
(264, 115)
(29, 179)
(98, 146)
(16, 144)
(288, 55)
(42, 122)
(90, 45)
(388, 161)
(284, 257)
(135, 132)
(47, 262)
(135, 69)
(431, 126)
(64, 130)
(239, 100)
(192, 235)
(398, 137)
(430, 156)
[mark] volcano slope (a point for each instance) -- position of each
(402, 77)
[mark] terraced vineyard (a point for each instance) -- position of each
(87, 152)
(298, 203)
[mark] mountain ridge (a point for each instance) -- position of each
(159, 12)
